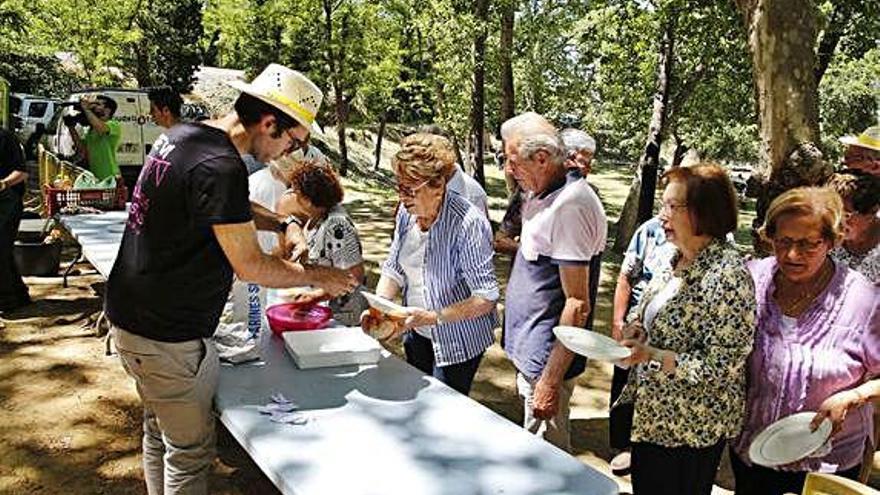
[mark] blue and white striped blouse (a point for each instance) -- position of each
(458, 264)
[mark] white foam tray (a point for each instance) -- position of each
(337, 346)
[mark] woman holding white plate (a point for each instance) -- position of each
(817, 346)
(688, 388)
(441, 260)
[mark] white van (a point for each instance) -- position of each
(133, 114)
(28, 111)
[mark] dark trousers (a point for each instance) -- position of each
(420, 353)
(13, 291)
(760, 480)
(660, 470)
(620, 418)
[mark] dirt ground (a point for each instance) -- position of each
(70, 419)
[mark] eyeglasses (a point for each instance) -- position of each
(671, 207)
(410, 192)
(803, 245)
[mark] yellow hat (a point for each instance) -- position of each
(287, 90)
(869, 139)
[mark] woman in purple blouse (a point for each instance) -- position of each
(817, 346)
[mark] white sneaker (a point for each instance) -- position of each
(620, 464)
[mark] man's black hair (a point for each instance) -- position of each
(251, 109)
(165, 97)
(108, 102)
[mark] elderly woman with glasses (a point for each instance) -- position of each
(817, 345)
(441, 260)
(690, 337)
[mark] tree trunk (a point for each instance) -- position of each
(639, 206)
(478, 103)
(508, 105)
(336, 76)
(681, 150)
(835, 30)
(379, 138)
(781, 35)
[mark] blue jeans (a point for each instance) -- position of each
(420, 353)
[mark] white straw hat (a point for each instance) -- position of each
(285, 89)
(869, 139)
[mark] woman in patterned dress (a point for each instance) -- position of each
(817, 345)
(690, 338)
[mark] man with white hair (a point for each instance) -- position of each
(563, 229)
(579, 150)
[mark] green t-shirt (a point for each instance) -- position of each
(101, 150)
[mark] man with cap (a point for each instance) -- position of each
(863, 151)
(190, 228)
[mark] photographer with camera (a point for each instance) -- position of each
(98, 146)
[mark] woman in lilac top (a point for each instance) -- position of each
(817, 346)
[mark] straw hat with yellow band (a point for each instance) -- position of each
(287, 90)
(869, 139)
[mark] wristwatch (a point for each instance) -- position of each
(440, 319)
(655, 363)
(282, 227)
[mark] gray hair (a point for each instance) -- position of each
(526, 124)
(576, 140)
(531, 144)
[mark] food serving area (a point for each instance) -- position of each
(383, 428)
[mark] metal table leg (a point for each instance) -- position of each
(76, 259)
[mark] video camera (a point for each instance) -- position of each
(75, 117)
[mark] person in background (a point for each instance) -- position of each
(860, 249)
(13, 291)
(563, 230)
(305, 152)
(165, 106)
(648, 253)
(579, 148)
(688, 382)
(817, 345)
(441, 260)
(460, 182)
(98, 146)
(314, 199)
(189, 229)
(863, 151)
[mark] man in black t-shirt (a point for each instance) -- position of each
(13, 291)
(189, 229)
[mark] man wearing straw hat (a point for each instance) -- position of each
(189, 229)
(863, 151)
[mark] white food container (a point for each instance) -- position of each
(336, 346)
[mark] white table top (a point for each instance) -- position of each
(379, 429)
(99, 236)
(388, 429)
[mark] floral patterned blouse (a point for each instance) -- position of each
(710, 325)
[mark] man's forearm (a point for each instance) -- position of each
(271, 271)
(621, 299)
(95, 122)
(14, 178)
(265, 219)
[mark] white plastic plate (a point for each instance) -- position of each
(384, 305)
(590, 344)
(788, 440)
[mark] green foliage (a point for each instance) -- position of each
(167, 54)
(849, 97)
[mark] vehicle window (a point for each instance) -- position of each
(38, 109)
(14, 104)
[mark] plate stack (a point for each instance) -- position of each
(337, 346)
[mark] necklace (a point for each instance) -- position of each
(793, 299)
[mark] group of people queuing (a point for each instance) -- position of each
(721, 346)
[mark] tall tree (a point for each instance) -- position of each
(478, 99)
(508, 100)
(165, 24)
(644, 185)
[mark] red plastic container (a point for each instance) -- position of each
(102, 199)
(288, 317)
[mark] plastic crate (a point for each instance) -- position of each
(101, 199)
